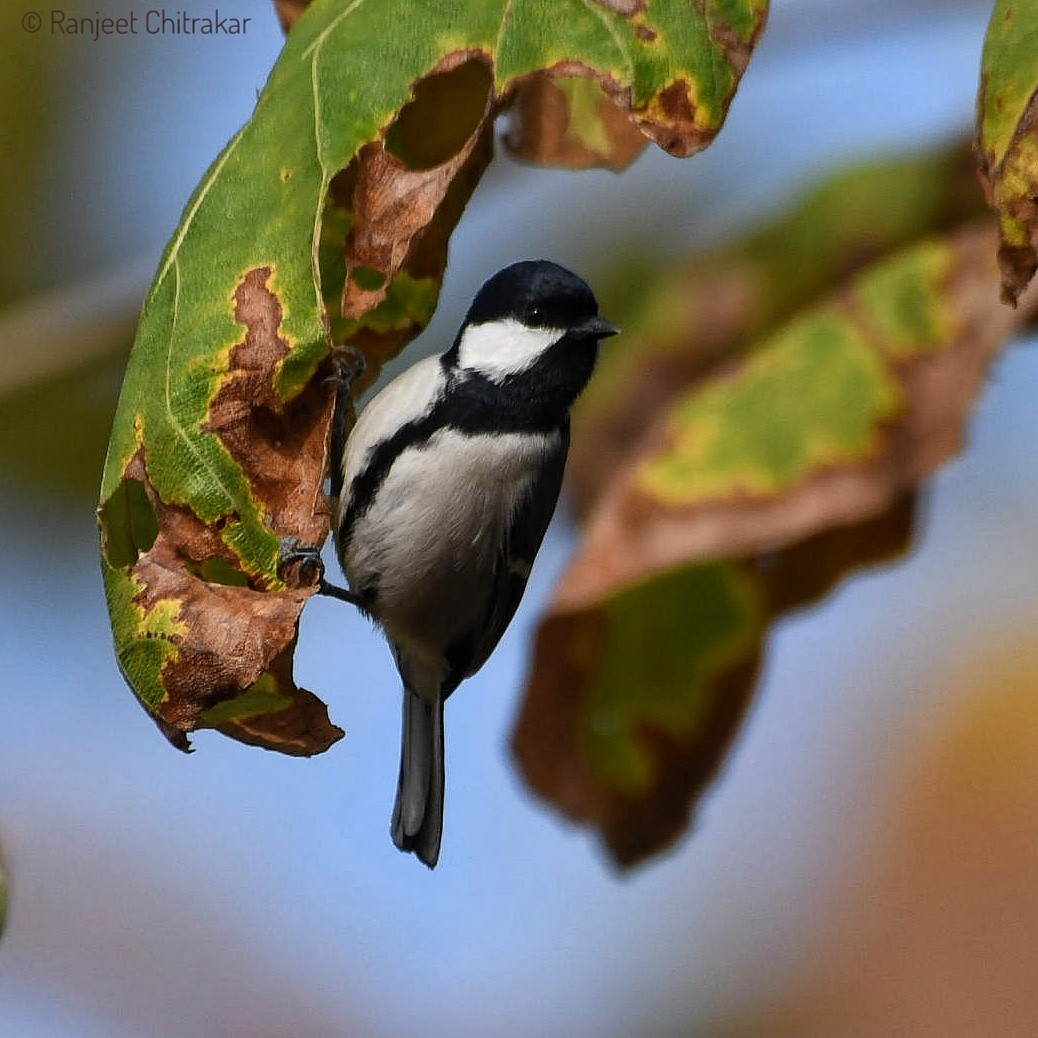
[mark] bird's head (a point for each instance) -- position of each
(521, 313)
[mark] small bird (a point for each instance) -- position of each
(446, 486)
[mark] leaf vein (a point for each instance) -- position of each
(330, 27)
(506, 15)
(189, 216)
(174, 421)
(621, 44)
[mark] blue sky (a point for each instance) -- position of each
(237, 892)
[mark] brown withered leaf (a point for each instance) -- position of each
(684, 322)
(632, 765)
(836, 416)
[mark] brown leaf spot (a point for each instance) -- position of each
(737, 51)
(281, 446)
(670, 121)
(394, 205)
(540, 131)
(232, 635)
(675, 102)
(230, 632)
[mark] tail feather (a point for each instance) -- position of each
(418, 812)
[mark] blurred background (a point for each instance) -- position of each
(867, 862)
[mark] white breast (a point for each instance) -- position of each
(431, 537)
(408, 397)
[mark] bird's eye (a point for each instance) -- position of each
(535, 315)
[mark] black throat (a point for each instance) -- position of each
(535, 399)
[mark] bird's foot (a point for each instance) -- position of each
(349, 365)
(301, 564)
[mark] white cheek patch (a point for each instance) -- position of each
(500, 348)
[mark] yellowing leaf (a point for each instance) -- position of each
(1007, 136)
(682, 321)
(825, 423)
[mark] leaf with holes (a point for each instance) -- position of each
(328, 214)
(1007, 137)
(648, 651)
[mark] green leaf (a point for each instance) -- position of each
(332, 208)
(1007, 133)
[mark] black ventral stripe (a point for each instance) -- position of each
(471, 412)
(535, 400)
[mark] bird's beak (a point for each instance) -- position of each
(598, 328)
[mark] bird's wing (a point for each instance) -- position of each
(518, 551)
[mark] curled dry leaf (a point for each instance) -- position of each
(686, 321)
(289, 11)
(328, 214)
(633, 704)
(651, 641)
(1007, 138)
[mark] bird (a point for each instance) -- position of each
(446, 485)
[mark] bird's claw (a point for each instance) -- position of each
(299, 565)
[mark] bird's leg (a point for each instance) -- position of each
(348, 366)
(308, 560)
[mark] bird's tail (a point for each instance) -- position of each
(418, 813)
